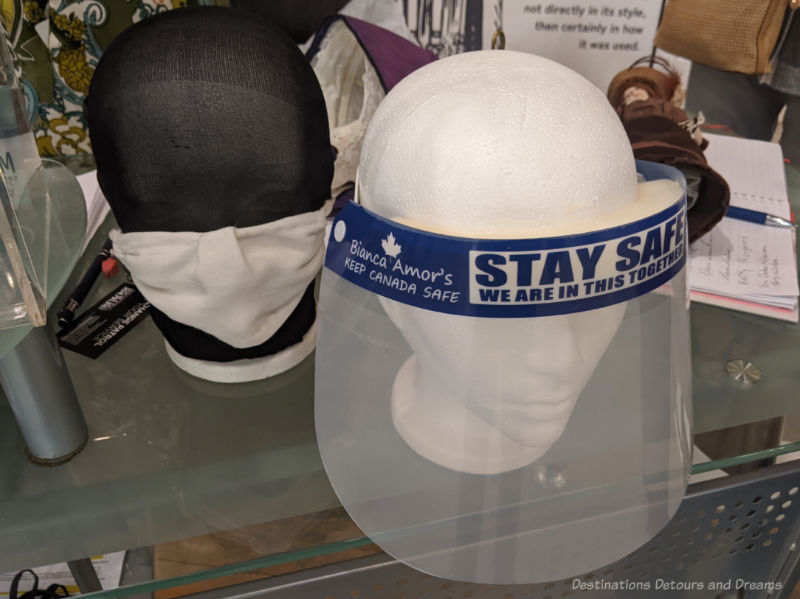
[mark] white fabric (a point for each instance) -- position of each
(239, 285)
(248, 369)
(352, 93)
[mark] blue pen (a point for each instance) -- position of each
(761, 218)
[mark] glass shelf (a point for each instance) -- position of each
(202, 472)
(746, 458)
(254, 565)
(260, 567)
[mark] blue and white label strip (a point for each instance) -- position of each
(515, 278)
(510, 278)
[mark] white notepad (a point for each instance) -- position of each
(742, 265)
(754, 171)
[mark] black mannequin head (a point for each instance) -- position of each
(205, 118)
(299, 18)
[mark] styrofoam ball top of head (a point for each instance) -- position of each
(495, 143)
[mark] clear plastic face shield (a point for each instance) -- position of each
(508, 411)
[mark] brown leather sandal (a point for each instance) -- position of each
(647, 101)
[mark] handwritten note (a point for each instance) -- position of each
(739, 258)
(739, 264)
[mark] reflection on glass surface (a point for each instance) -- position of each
(175, 458)
(169, 457)
(720, 335)
(52, 220)
(22, 299)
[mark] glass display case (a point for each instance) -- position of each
(223, 484)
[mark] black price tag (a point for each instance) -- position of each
(102, 325)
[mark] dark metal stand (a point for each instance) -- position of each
(84, 574)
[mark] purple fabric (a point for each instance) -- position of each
(392, 56)
(348, 195)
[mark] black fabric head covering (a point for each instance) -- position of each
(203, 118)
(299, 18)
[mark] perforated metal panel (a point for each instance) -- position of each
(726, 530)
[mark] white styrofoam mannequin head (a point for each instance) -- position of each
(495, 144)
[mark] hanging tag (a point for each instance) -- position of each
(102, 325)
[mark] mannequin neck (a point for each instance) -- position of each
(440, 428)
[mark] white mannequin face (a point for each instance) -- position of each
(496, 145)
(522, 376)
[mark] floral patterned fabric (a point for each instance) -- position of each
(55, 74)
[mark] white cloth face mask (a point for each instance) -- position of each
(239, 285)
